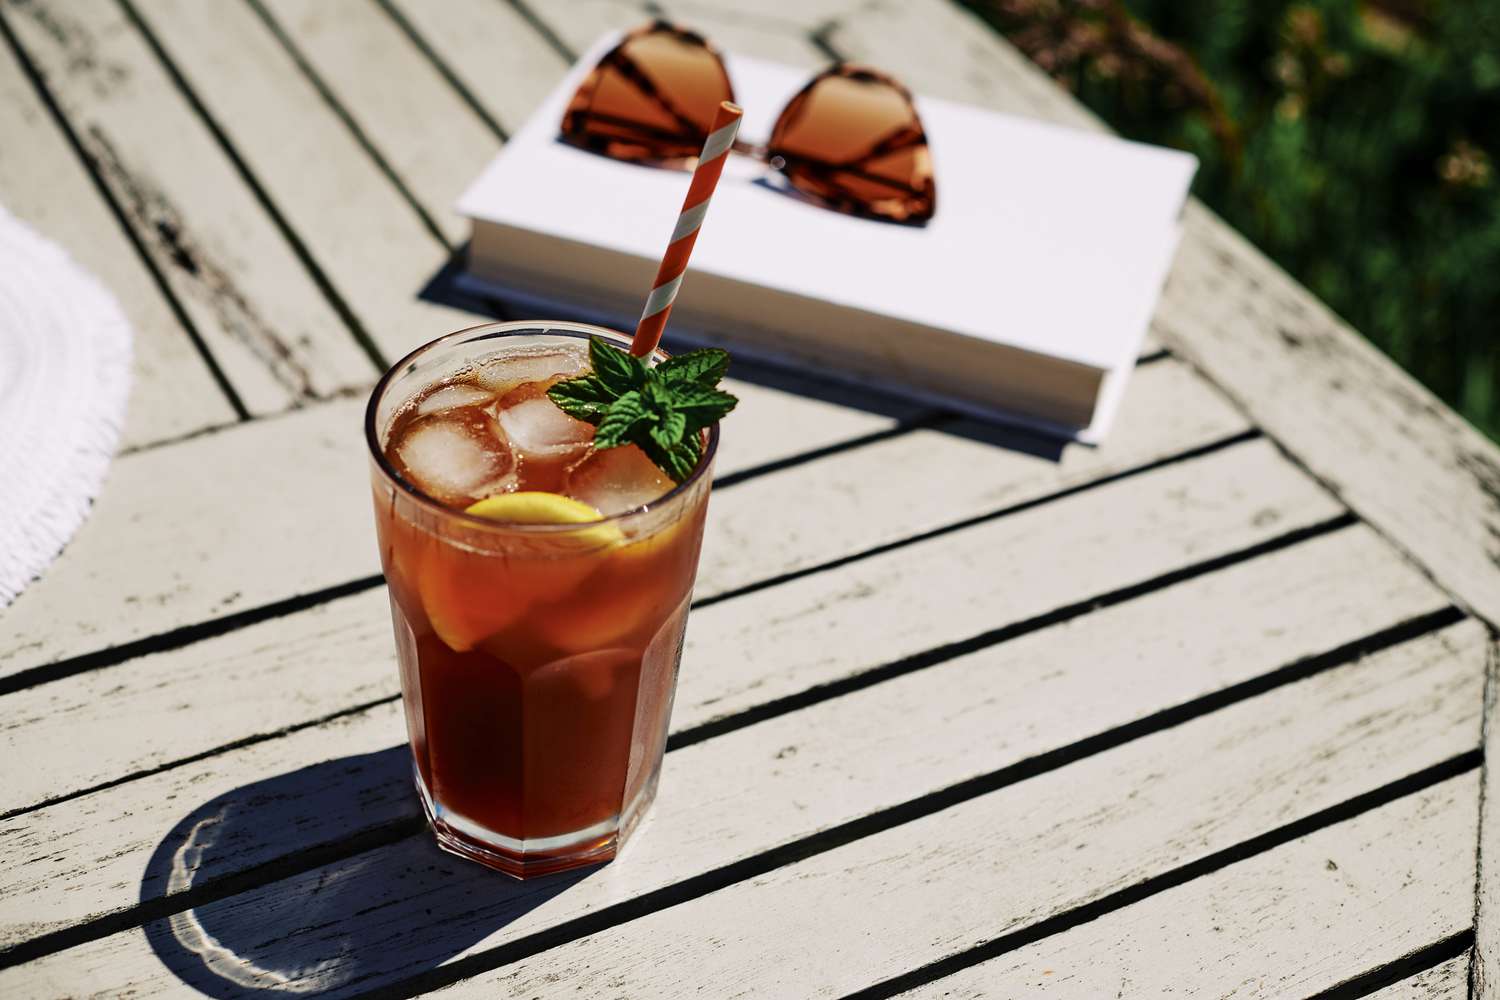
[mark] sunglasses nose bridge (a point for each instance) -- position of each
(755, 150)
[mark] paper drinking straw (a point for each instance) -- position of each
(685, 234)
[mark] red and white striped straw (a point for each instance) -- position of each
(685, 234)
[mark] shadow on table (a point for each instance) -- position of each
(444, 288)
(397, 909)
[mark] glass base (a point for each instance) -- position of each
(523, 859)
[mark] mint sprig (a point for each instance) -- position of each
(661, 410)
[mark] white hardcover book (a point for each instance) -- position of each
(1025, 298)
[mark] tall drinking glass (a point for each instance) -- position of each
(538, 661)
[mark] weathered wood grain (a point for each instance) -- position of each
(1295, 921)
(168, 706)
(43, 183)
(893, 489)
(203, 529)
(1217, 780)
(769, 15)
(1486, 967)
(88, 858)
(172, 705)
(1385, 445)
(494, 53)
(936, 886)
(1381, 442)
(1447, 981)
(247, 294)
(890, 902)
(80, 860)
(373, 246)
(574, 25)
(230, 539)
(1391, 450)
(396, 98)
(729, 28)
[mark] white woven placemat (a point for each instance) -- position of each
(64, 378)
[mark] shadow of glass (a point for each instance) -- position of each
(397, 908)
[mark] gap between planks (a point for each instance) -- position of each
(137, 568)
(1283, 641)
(1318, 729)
(1191, 519)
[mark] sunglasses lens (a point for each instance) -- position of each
(651, 98)
(852, 138)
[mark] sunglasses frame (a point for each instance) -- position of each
(914, 205)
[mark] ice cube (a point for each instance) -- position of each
(510, 370)
(615, 480)
(456, 457)
(450, 396)
(537, 429)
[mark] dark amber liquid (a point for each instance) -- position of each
(537, 668)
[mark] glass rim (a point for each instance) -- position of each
(566, 328)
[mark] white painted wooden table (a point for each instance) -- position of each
(1197, 712)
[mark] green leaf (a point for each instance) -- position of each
(663, 410)
(619, 371)
(678, 461)
(585, 398)
(701, 406)
(705, 367)
(667, 432)
(626, 422)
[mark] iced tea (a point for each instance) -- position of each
(538, 660)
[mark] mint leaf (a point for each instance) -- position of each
(619, 371)
(702, 407)
(679, 461)
(619, 424)
(662, 410)
(705, 367)
(584, 398)
(668, 431)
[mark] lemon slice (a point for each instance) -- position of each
(538, 507)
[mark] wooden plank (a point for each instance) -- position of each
(897, 488)
(1447, 981)
(730, 29)
(494, 53)
(374, 247)
(576, 24)
(137, 568)
(45, 185)
(768, 15)
(819, 628)
(168, 706)
(1392, 451)
(345, 927)
(895, 901)
(140, 567)
(396, 97)
(331, 782)
(82, 859)
(1396, 455)
(1487, 891)
(203, 529)
(1296, 921)
(172, 705)
(248, 296)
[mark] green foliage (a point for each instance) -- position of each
(1355, 143)
(661, 410)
